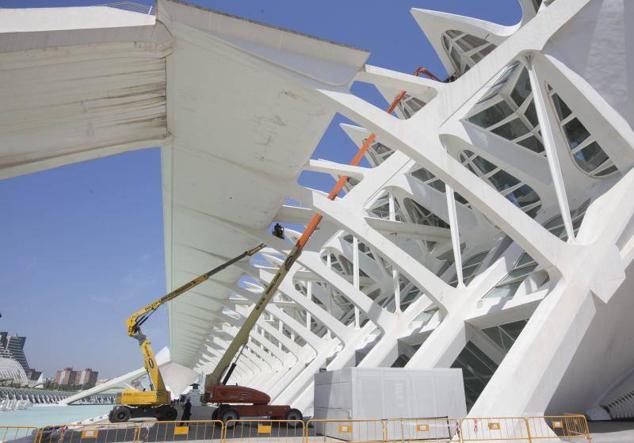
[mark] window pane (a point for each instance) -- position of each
(554, 222)
(445, 42)
(562, 109)
(460, 199)
(575, 132)
(473, 41)
(483, 165)
(414, 104)
(423, 174)
(523, 272)
(487, 49)
(455, 57)
(437, 185)
(511, 130)
(503, 291)
(591, 157)
(607, 171)
(503, 180)
(463, 44)
(492, 115)
(522, 88)
(525, 196)
(533, 211)
(524, 259)
(531, 114)
(380, 148)
(533, 144)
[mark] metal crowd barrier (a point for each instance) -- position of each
(556, 427)
(570, 428)
(191, 430)
(92, 433)
(436, 429)
(322, 430)
(494, 428)
(22, 433)
(260, 431)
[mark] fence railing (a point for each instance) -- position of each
(570, 428)
(11, 433)
(494, 428)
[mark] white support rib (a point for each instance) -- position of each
(455, 233)
(546, 128)
(355, 277)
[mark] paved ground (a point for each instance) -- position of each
(609, 432)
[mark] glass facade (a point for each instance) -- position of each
(464, 50)
(477, 370)
(584, 148)
(520, 194)
(377, 153)
(477, 367)
(469, 268)
(507, 110)
(430, 179)
(525, 266)
(409, 105)
(421, 216)
(381, 208)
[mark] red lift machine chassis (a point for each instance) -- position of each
(235, 402)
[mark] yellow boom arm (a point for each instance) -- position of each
(134, 322)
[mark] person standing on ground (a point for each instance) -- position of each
(187, 411)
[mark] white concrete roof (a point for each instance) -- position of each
(242, 130)
(227, 98)
(64, 19)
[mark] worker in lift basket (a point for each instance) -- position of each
(278, 231)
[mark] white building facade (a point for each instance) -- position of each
(493, 230)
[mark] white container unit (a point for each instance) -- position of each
(381, 393)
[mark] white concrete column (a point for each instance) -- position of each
(309, 296)
(329, 293)
(355, 277)
(455, 232)
(397, 290)
(395, 276)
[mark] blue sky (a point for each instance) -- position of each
(81, 246)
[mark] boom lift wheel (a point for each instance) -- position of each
(166, 413)
(120, 414)
(226, 413)
(293, 414)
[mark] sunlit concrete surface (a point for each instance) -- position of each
(608, 432)
(491, 232)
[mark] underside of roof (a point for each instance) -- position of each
(227, 99)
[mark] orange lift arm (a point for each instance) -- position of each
(241, 338)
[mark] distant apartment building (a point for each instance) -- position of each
(70, 377)
(12, 346)
(88, 377)
(33, 375)
(64, 376)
